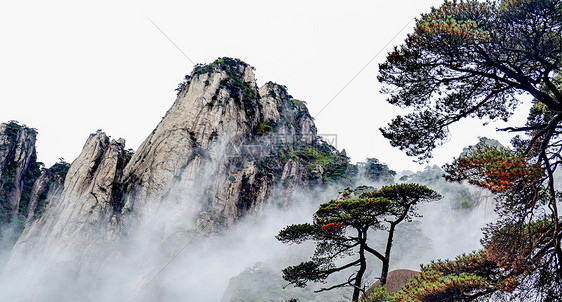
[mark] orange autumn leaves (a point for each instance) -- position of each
(495, 169)
(331, 225)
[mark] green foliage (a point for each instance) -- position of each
(405, 192)
(181, 86)
(523, 241)
(346, 194)
(509, 260)
(336, 166)
(297, 233)
(519, 249)
(314, 156)
(128, 155)
(464, 200)
(358, 213)
(241, 91)
(200, 69)
(338, 171)
(56, 174)
(496, 169)
(12, 131)
(301, 274)
(12, 183)
(28, 179)
(405, 199)
(376, 171)
(463, 279)
(61, 167)
(264, 128)
(379, 294)
(298, 104)
(9, 172)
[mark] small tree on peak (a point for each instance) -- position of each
(340, 229)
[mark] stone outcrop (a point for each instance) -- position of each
(222, 148)
(85, 208)
(218, 134)
(25, 185)
(47, 187)
(17, 161)
(395, 280)
(199, 138)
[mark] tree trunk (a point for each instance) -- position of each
(363, 266)
(386, 260)
(384, 273)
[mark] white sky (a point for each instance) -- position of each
(70, 68)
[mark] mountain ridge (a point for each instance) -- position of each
(220, 153)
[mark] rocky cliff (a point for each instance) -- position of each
(25, 185)
(17, 158)
(223, 139)
(46, 187)
(85, 206)
(223, 148)
(19, 170)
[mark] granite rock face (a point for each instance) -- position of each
(221, 139)
(223, 148)
(212, 142)
(396, 279)
(46, 187)
(25, 185)
(85, 207)
(199, 140)
(17, 157)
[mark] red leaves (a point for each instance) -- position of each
(332, 225)
(495, 169)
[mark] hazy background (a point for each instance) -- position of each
(162, 258)
(70, 68)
